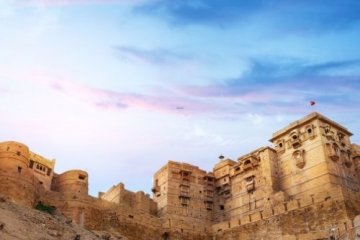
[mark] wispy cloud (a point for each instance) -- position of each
(153, 56)
(278, 85)
(98, 98)
(269, 87)
(212, 12)
(300, 16)
(109, 99)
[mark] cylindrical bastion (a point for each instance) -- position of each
(16, 180)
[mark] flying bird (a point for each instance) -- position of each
(312, 103)
(179, 108)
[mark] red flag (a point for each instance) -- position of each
(312, 103)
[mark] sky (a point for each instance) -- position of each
(119, 87)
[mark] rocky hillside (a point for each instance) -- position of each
(23, 223)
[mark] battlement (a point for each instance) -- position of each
(128, 199)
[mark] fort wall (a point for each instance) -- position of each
(127, 199)
(319, 221)
(306, 187)
(71, 182)
(98, 214)
(14, 171)
(42, 168)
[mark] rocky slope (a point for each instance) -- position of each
(23, 223)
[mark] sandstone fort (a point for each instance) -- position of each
(306, 186)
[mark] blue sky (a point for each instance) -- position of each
(118, 87)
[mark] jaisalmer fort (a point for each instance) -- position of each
(306, 186)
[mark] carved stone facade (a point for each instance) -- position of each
(306, 187)
(184, 194)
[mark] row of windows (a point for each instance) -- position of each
(294, 137)
(40, 167)
(309, 131)
(184, 202)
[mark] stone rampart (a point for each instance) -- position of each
(306, 187)
(17, 182)
(73, 182)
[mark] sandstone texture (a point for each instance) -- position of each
(305, 187)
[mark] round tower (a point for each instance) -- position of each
(72, 182)
(17, 181)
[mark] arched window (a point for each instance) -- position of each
(295, 138)
(280, 145)
(309, 131)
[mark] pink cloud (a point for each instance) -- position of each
(109, 99)
(155, 99)
(201, 100)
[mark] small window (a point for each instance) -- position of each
(280, 145)
(184, 201)
(249, 179)
(335, 147)
(341, 137)
(19, 169)
(309, 130)
(131, 216)
(327, 129)
(82, 177)
(237, 169)
(294, 137)
(18, 153)
(222, 207)
(40, 182)
(31, 163)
